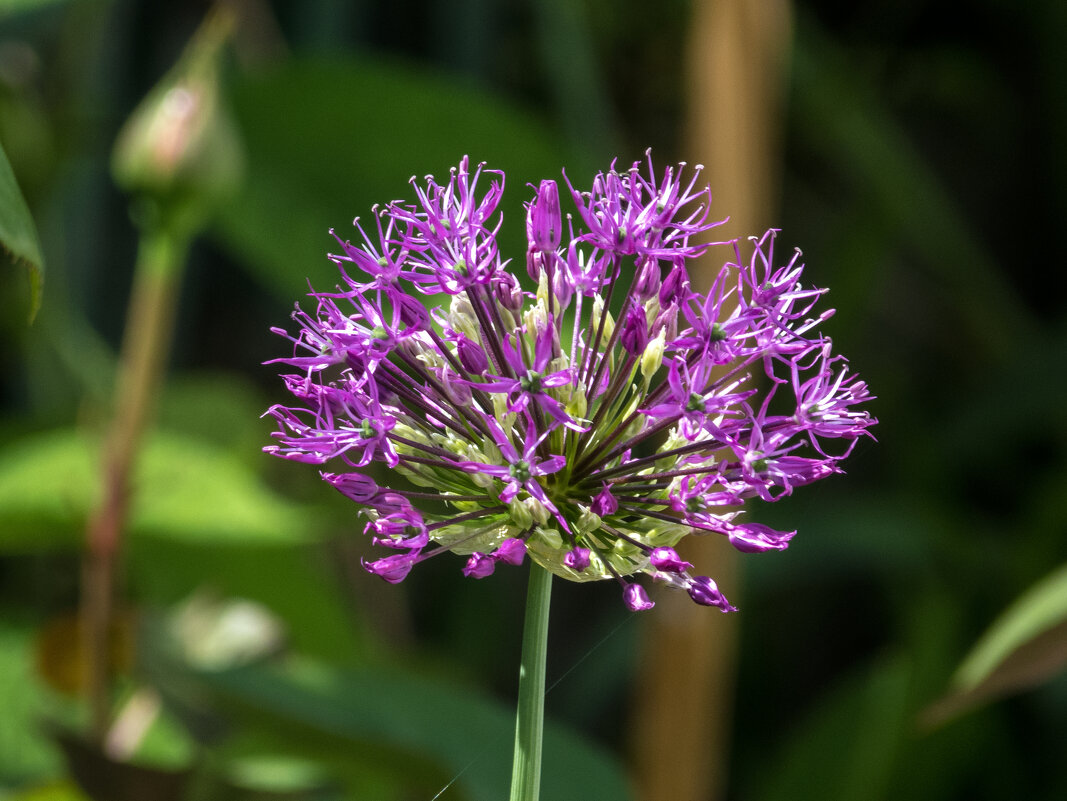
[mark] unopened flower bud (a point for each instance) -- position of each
(458, 392)
(550, 537)
(479, 565)
(636, 598)
(358, 487)
(543, 223)
(652, 358)
(577, 405)
(588, 520)
(471, 356)
(674, 286)
(705, 592)
(507, 291)
(511, 551)
(598, 313)
(668, 560)
(413, 313)
(634, 334)
(667, 321)
(540, 514)
(647, 282)
(179, 143)
(520, 514)
(537, 318)
(604, 503)
(392, 568)
(461, 316)
(577, 559)
(562, 287)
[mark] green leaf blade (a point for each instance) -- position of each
(18, 234)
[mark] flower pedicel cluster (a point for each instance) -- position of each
(539, 423)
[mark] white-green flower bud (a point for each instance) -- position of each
(588, 520)
(578, 405)
(538, 510)
(652, 308)
(520, 514)
(652, 358)
(542, 287)
(180, 144)
(536, 318)
(609, 321)
(550, 537)
(461, 317)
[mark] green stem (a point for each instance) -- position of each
(146, 343)
(530, 717)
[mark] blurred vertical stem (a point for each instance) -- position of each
(530, 716)
(738, 55)
(179, 156)
(146, 343)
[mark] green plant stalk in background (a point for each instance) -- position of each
(179, 157)
(146, 342)
(530, 716)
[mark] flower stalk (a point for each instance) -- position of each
(146, 342)
(529, 718)
(178, 156)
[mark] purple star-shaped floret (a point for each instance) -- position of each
(529, 385)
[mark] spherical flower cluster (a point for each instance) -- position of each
(592, 423)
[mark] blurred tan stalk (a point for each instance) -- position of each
(737, 60)
(177, 155)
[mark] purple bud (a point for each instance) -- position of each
(543, 224)
(479, 565)
(534, 263)
(562, 286)
(358, 487)
(507, 291)
(634, 335)
(675, 286)
(413, 313)
(636, 598)
(668, 560)
(604, 503)
(667, 319)
(511, 551)
(648, 280)
(392, 568)
(400, 529)
(389, 502)
(458, 392)
(471, 356)
(577, 559)
(705, 592)
(756, 538)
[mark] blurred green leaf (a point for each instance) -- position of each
(217, 407)
(846, 748)
(9, 8)
(185, 489)
(1025, 646)
(1041, 608)
(424, 733)
(328, 139)
(295, 581)
(18, 234)
(55, 791)
(26, 754)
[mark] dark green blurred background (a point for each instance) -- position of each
(925, 178)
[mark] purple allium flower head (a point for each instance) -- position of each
(592, 420)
